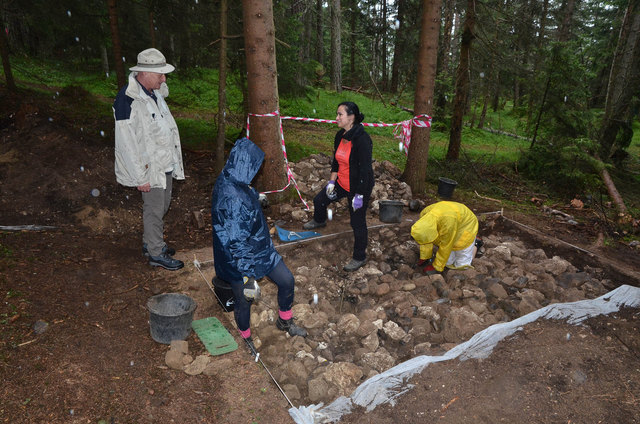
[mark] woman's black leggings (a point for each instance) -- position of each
(285, 282)
(358, 218)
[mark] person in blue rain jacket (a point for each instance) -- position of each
(243, 251)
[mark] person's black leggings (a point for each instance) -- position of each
(358, 218)
(282, 277)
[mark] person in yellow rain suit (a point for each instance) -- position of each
(452, 228)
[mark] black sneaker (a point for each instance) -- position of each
(166, 262)
(354, 264)
(290, 327)
(314, 224)
(166, 249)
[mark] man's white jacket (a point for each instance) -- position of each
(147, 143)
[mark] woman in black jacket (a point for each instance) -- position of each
(351, 177)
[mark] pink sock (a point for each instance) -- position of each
(286, 315)
(246, 333)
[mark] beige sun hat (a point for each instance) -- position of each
(151, 60)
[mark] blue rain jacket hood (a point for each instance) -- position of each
(242, 245)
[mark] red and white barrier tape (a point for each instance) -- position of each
(423, 121)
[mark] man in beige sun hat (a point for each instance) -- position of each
(148, 154)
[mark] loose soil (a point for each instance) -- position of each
(95, 361)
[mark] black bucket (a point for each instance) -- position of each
(390, 210)
(224, 294)
(170, 316)
(446, 187)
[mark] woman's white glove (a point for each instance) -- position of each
(331, 189)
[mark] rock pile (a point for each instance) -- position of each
(362, 323)
(386, 312)
(313, 173)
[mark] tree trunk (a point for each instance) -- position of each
(398, 48)
(352, 42)
(6, 65)
(568, 8)
(383, 63)
(613, 192)
(483, 114)
(336, 47)
(222, 88)
(533, 90)
(444, 53)
(308, 24)
(152, 27)
(623, 81)
(416, 167)
(105, 59)
(319, 33)
(117, 47)
(262, 85)
(462, 84)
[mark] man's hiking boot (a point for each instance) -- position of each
(166, 262)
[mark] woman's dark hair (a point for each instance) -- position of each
(352, 109)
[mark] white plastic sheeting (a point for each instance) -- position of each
(385, 387)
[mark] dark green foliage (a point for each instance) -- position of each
(565, 111)
(565, 166)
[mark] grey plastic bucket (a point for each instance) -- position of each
(446, 187)
(170, 316)
(390, 210)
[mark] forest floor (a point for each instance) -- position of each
(74, 333)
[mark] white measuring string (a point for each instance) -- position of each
(197, 264)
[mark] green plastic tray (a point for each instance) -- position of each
(214, 335)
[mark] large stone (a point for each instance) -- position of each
(477, 306)
(555, 265)
(461, 324)
(420, 329)
(218, 365)
(572, 279)
(315, 320)
(371, 342)
(529, 301)
(473, 292)
(428, 312)
(394, 331)
(366, 327)
(500, 253)
(348, 324)
(301, 311)
(572, 294)
(198, 365)
(296, 372)
(496, 290)
(515, 248)
(318, 389)
(292, 391)
(545, 284)
(535, 255)
(367, 315)
(343, 375)
(422, 349)
(382, 289)
(174, 359)
(379, 361)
